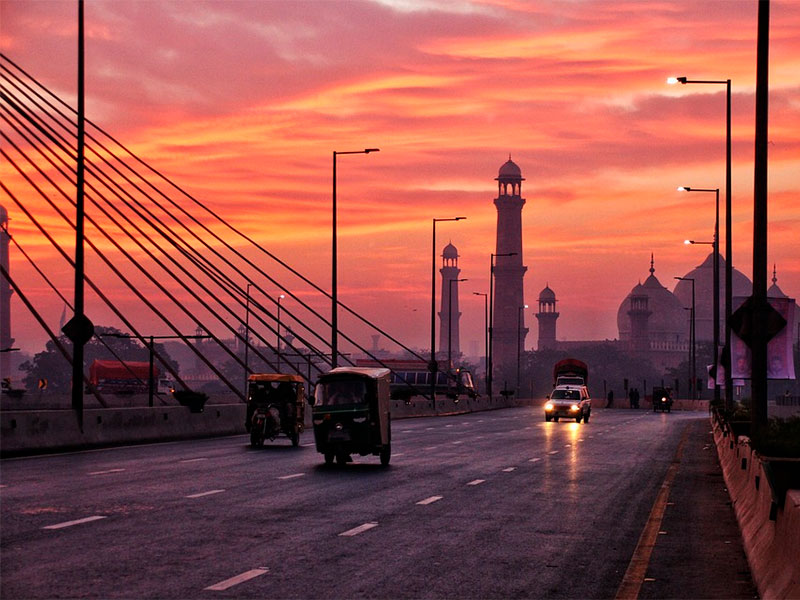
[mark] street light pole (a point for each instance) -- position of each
(519, 341)
(334, 274)
(486, 335)
(246, 338)
(490, 376)
(450, 321)
(278, 334)
(726, 359)
(693, 364)
(432, 365)
(715, 244)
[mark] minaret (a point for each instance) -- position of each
(449, 314)
(547, 316)
(508, 327)
(6, 340)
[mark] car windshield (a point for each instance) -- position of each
(565, 395)
(337, 392)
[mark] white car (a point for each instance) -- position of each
(570, 401)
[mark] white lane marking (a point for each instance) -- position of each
(429, 448)
(406, 430)
(535, 460)
(446, 426)
(553, 452)
(429, 429)
(430, 500)
(201, 494)
(308, 445)
(580, 439)
(75, 522)
(246, 576)
(292, 476)
(476, 482)
(509, 469)
(395, 454)
(188, 460)
(359, 529)
(106, 472)
(567, 445)
(458, 442)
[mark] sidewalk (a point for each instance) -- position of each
(699, 551)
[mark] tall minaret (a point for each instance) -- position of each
(449, 314)
(5, 298)
(547, 316)
(508, 328)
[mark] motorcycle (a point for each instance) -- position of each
(266, 423)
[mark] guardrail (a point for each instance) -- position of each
(768, 514)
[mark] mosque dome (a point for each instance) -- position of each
(774, 291)
(547, 294)
(668, 322)
(703, 276)
(450, 251)
(509, 170)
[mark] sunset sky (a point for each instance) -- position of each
(243, 102)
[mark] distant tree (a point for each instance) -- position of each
(52, 366)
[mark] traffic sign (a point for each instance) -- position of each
(743, 321)
(79, 329)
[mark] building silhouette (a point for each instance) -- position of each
(508, 322)
(449, 315)
(6, 340)
(547, 317)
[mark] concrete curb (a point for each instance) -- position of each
(772, 545)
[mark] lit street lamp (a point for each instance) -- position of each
(432, 365)
(489, 375)
(486, 335)
(728, 231)
(715, 245)
(334, 274)
(692, 356)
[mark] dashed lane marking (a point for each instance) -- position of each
(106, 472)
(75, 522)
(430, 500)
(292, 476)
(208, 493)
(476, 482)
(509, 469)
(429, 448)
(246, 576)
(535, 459)
(359, 529)
(458, 442)
(553, 452)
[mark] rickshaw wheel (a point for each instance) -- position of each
(386, 454)
(295, 436)
(329, 456)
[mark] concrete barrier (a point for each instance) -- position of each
(31, 431)
(770, 524)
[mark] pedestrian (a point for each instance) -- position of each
(632, 398)
(610, 399)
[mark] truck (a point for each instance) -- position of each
(570, 371)
(121, 377)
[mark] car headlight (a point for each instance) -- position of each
(548, 406)
(573, 407)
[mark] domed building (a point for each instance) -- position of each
(703, 276)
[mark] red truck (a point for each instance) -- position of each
(570, 371)
(121, 377)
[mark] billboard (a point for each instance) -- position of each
(780, 359)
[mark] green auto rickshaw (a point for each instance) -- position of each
(351, 414)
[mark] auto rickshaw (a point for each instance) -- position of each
(662, 399)
(275, 405)
(351, 414)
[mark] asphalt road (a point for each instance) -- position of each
(488, 505)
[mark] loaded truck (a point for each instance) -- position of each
(570, 371)
(126, 377)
